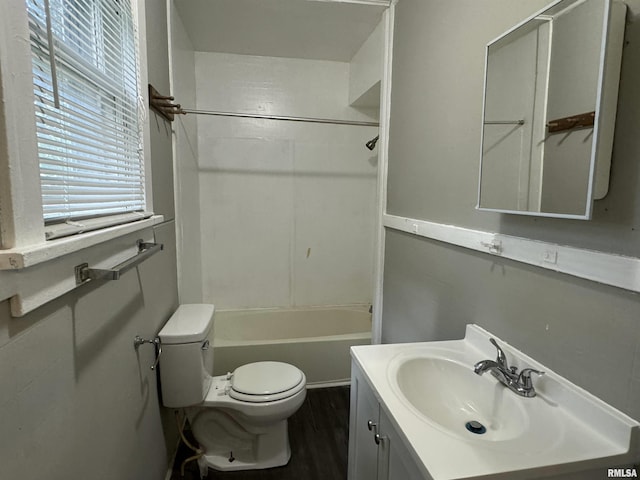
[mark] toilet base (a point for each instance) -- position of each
(267, 449)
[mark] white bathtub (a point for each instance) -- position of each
(315, 339)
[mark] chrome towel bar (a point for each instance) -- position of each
(145, 250)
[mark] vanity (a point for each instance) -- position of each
(419, 411)
(377, 451)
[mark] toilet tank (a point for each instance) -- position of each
(186, 361)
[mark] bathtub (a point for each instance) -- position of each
(314, 339)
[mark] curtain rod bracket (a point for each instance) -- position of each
(163, 105)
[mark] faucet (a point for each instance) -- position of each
(519, 383)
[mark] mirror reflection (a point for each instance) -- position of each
(542, 111)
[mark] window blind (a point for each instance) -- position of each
(85, 77)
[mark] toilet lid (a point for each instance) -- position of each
(265, 378)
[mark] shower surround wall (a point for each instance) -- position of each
(287, 209)
(185, 136)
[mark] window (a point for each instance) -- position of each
(71, 149)
(87, 101)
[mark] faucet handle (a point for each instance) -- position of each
(525, 376)
(502, 358)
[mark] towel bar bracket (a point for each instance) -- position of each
(84, 273)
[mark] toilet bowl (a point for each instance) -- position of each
(238, 419)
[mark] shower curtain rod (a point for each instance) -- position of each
(281, 117)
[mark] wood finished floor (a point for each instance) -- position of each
(318, 434)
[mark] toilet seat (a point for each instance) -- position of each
(262, 382)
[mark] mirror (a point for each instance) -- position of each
(549, 110)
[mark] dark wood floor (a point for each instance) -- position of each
(318, 434)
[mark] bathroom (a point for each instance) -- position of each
(78, 401)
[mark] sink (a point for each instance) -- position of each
(451, 395)
(430, 393)
(440, 387)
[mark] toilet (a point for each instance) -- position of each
(239, 419)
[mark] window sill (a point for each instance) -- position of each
(33, 276)
(24, 257)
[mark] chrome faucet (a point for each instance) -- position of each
(519, 383)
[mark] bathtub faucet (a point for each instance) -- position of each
(519, 383)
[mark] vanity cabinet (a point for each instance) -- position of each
(376, 452)
(416, 397)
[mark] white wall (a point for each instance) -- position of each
(76, 400)
(287, 209)
(187, 187)
(365, 71)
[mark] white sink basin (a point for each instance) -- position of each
(440, 387)
(431, 392)
(451, 395)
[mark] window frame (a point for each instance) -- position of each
(25, 254)
(97, 65)
(22, 226)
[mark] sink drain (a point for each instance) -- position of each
(475, 427)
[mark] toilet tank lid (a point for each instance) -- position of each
(190, 323)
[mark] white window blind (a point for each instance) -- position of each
(85, 76)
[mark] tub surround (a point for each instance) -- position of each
(314, 247)
(274, 177)
(315, 339)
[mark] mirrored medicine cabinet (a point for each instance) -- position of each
(551, 88)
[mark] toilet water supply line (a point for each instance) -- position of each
(226, 422)
(199, 452)
(137, 341)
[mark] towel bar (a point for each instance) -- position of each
(145, 250)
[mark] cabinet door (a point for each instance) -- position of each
(363, 451)
(394, 460)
